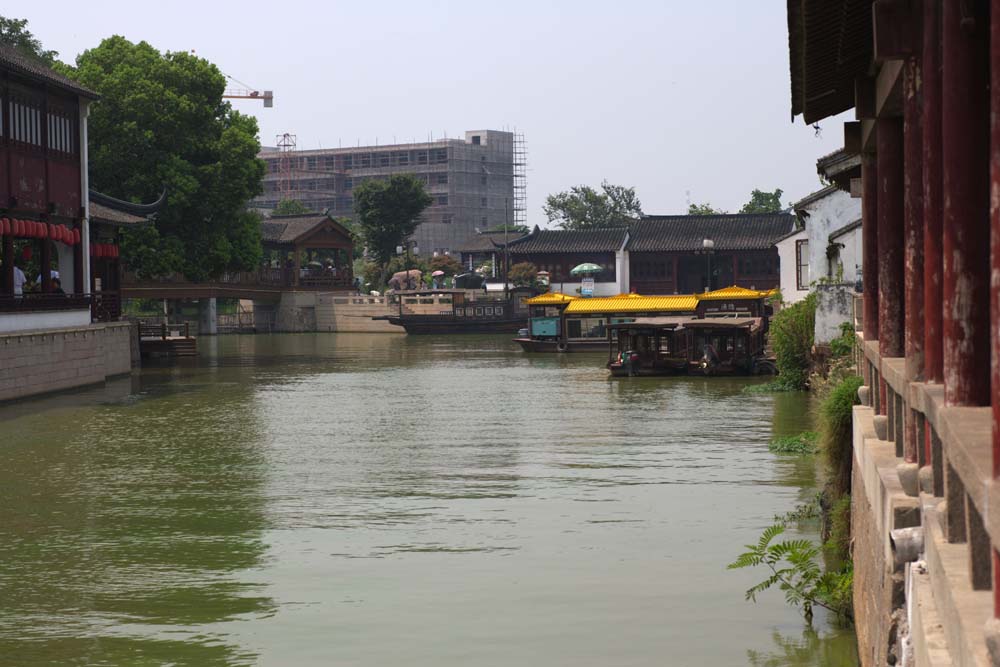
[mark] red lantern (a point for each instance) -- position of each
(76, 236)
(67, 236)
(36, 229)
(5, 226)
(50, 231)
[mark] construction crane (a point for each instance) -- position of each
(247, 93)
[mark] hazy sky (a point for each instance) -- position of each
(670, 97)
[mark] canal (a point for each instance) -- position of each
(375, 500)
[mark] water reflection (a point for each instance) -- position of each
(357, 499)
(830, 649)
(125, 513)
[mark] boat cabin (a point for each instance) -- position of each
(731, 346)
(648, 346)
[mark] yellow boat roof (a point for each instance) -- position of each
(635, 303)
(550, 299)
(734, 292)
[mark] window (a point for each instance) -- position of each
(442, 200)
(476, 140)
(586, 327)
(421, 157)
(483, 220)
(446, 218)
(482, 202)
(442, 179)
(482, 179)
(348, 184)
(802, 265)
(404, 159)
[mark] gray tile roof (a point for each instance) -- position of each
(685, 233)
(111, 216)
(287, 228)
(486, 241)
(13, 60)
(543, 241)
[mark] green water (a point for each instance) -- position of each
(382, 500)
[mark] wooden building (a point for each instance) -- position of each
(309, 251)
(43, 203)
(923, 78)
(683, 254)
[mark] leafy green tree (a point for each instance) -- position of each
(15, 33)
(291, 207)
(763, 202)
(704, 209)
(388, 213)
(161, 122)
(511, 229)
(583, 207)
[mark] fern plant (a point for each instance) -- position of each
(796, 572)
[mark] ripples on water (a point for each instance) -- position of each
(370, 500)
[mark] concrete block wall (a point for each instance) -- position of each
(39, 362)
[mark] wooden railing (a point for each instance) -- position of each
(264, 277)
(28, 303)
(163, 331)
(106, 307)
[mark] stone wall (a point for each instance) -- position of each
(39, 362)
(834, 306)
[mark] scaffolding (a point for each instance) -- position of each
(286, 164)
(520, 179)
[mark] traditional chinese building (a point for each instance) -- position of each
(923, 79)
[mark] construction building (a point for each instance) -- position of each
(476, 183)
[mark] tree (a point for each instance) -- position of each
(583, 207)
(161, 123)
(523, 274)
(446, 263)
(388, 213)
(511, 229)
(763, 202)
(704, 209)
(15, 33)
(291, 207)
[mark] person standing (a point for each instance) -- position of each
(19, 280)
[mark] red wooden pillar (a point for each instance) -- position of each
(995, 258)
(966, 191)
(931, 146)
(869, 240)
(913, 240)
(889, 145)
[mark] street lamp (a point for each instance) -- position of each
(708, 247)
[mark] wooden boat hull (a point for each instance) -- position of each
(446, 324)
(622, 370)
(537, 345)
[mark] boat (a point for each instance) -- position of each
(687, 345)
(728, 346)
(648, 346)
(469, 312)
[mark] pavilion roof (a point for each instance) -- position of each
(288, 229)
(15, 61)
(486, 241)
(118, 212)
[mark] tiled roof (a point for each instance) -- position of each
(734, 292)
(685, 233)
(845, 229)
(289, 228)
(815, 196)
(108, 215)
(634, 303)
(486, 241)
(550, 299)
(567, 240)
(15, 61)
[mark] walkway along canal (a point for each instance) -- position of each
(345, 499)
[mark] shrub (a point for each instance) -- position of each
(446, 263)
(835, 431)
(803, 443)
(523, 274)
(838, 543)
(791, 334)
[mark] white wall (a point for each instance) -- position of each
(66, 273)
(786, 259)
(57, 319)
(850, 255)
(825, 216)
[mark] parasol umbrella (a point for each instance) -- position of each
(438, 273)
(586, 267)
